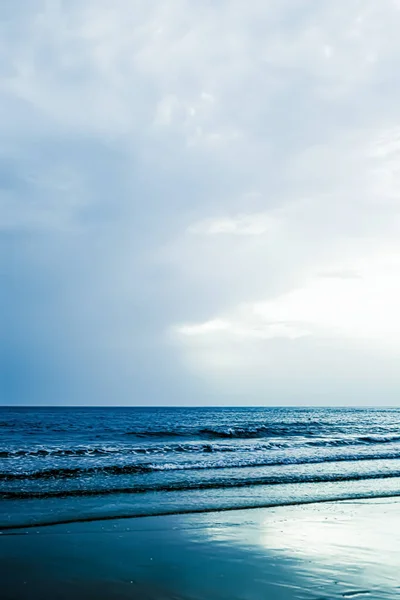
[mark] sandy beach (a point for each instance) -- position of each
(318, 551)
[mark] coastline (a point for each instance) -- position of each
(309, 551)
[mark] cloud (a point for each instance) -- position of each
(356, 307)
(197, 198)
(255, 224)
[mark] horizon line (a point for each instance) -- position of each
(200, 406)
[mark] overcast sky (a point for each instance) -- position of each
(200, 201)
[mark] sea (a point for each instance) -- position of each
(62, 465)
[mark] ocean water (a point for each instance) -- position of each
(76, 464)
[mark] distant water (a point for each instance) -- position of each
(67, 464)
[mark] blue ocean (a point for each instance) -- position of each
(60, 465)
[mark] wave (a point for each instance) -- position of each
(142, 468)
(246, 432)
(362, 440)
(183, 486)
(191, 447)
(67, 473)
(105, 451)
(61, 452)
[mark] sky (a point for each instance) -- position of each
(200, 202)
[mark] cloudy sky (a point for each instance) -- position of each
(200, 201)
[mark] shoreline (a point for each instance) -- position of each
(199, 511)
(329, 549)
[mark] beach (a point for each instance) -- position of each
(319, 551)
(199, 504)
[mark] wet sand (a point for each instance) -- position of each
(321, 551)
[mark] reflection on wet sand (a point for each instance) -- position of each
(325, 551)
